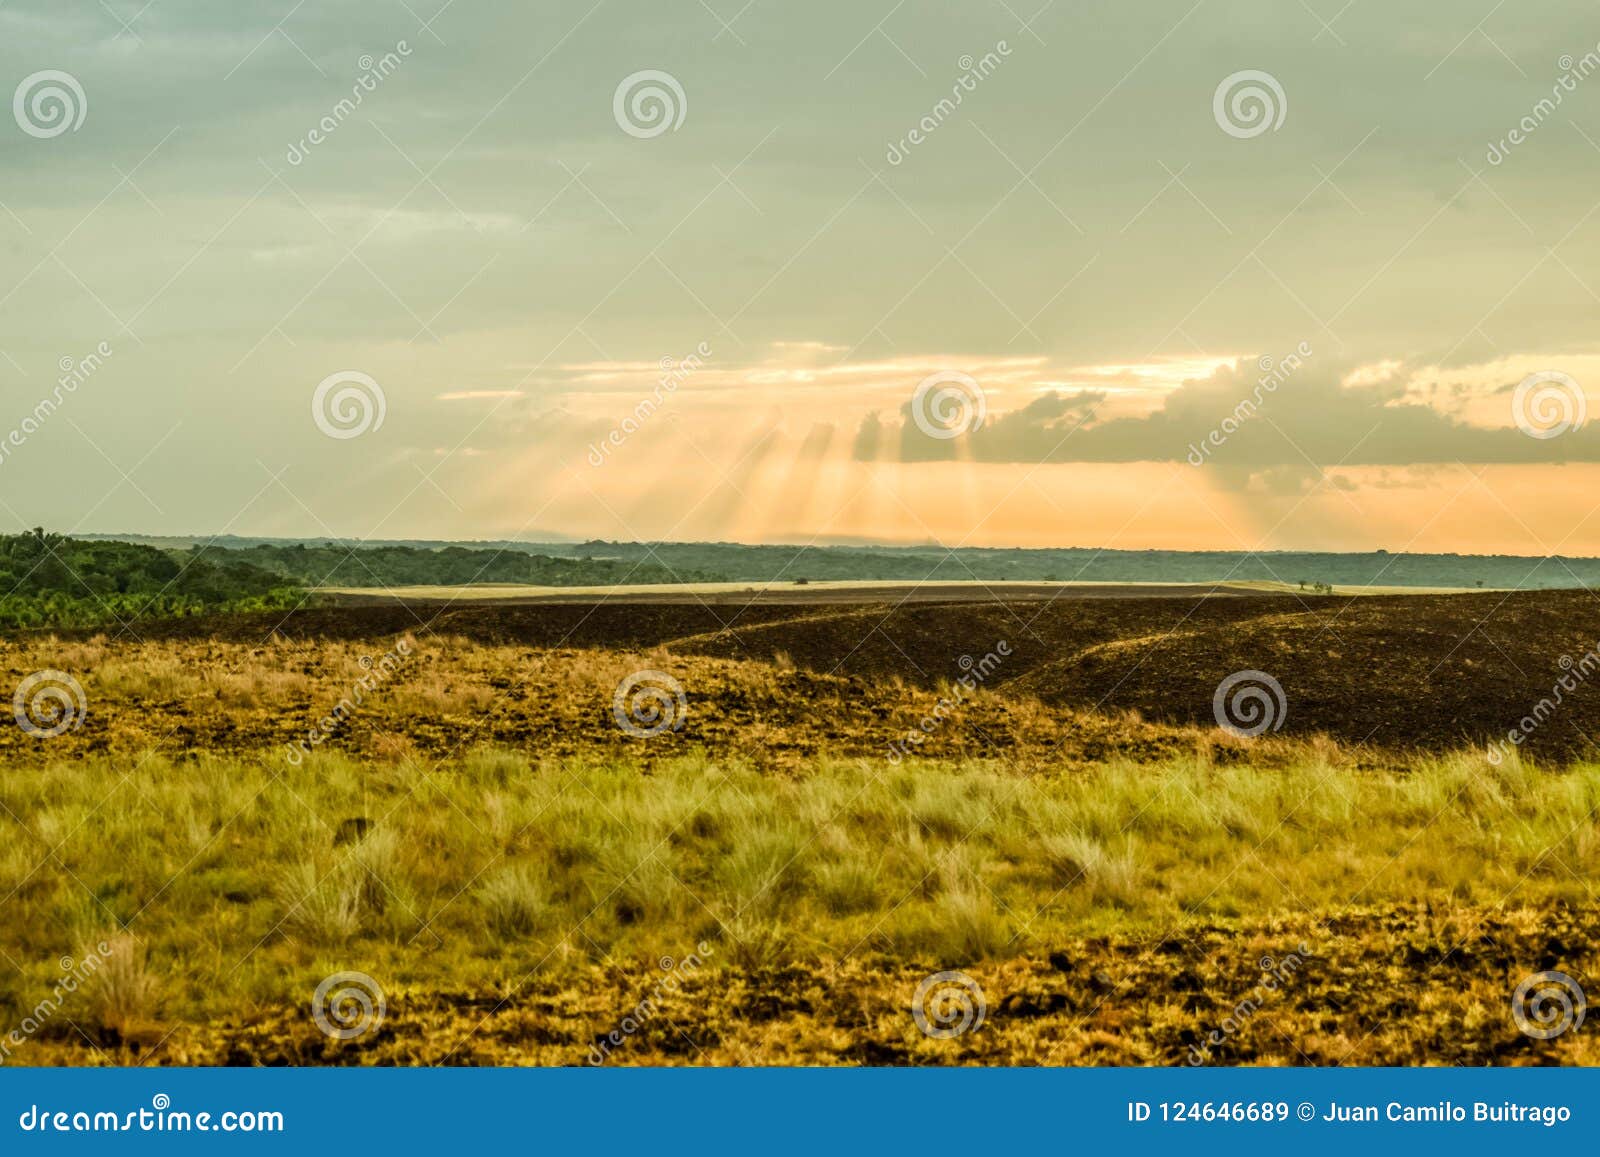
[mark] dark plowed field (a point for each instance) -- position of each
(1407, 671)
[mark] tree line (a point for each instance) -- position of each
(52, 580)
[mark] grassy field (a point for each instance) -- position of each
(461, 829)
(229, 887)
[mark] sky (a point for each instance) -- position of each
(1205, 274)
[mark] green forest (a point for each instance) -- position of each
(338, 565)
(51, 580)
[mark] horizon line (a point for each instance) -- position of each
(848, 543)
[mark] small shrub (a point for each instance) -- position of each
(126, 988)
(515, 902)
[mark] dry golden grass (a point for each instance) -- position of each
(450, 694)
(231, 884)
(481, 838)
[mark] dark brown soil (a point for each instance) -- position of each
(1404, 671)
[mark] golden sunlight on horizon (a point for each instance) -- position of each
(807, 445)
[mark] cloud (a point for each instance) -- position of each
(1249, 420)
